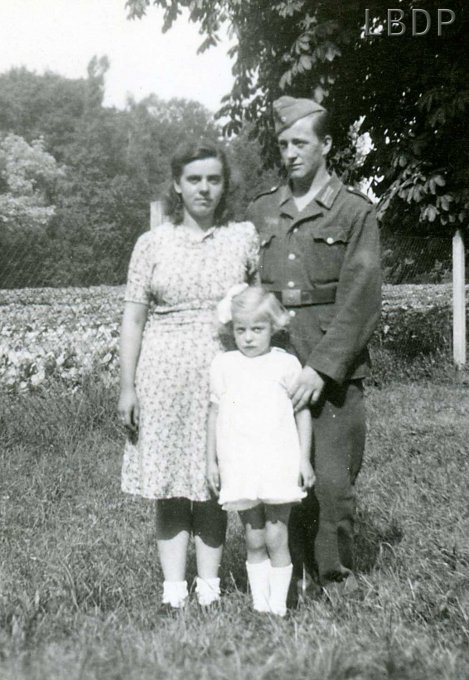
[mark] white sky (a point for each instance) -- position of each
(63, 35)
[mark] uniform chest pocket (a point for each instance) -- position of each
(330, 237)
(328, 251)
(267, 260)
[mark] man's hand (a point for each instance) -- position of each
(213, 477)
(308, 388)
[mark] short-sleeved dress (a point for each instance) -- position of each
(258, 447)
(181, 276)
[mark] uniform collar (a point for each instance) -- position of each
(286, 203)
(328, 193)
(325, 197)
(285, 194)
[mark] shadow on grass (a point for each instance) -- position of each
(373, 545)
(372, 540)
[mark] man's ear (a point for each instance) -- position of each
(326, 145)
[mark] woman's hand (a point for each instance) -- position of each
(213, 477)
(307, 476)
(128, 409)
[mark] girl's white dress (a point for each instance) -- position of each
(258, 447)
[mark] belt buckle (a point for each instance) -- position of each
(291, 297)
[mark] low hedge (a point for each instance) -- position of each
(413, 332)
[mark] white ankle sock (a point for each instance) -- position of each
(208, 590)
(175, 593)
(279, 581)
(258, 577)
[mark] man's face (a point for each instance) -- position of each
(303, 153)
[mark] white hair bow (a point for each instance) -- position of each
(224, 306)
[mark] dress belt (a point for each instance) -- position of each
(297, 297)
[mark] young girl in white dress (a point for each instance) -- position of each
(258, 451)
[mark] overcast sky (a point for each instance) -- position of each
(63, 35)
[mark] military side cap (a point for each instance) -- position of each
(287, 110)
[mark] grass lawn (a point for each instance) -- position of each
(80, 584)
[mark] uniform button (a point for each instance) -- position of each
(291, 284)
(329, 240)
(292, 312)
(292, 256)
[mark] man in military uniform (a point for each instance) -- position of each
(320, 255)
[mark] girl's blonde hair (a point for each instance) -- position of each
(264, 304)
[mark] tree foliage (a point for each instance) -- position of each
(27, 178)
(77, 178)
(409, 91)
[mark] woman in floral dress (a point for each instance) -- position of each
(177, 275)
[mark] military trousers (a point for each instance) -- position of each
(321, 528)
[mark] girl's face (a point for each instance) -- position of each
(201, 188)
(252, 334)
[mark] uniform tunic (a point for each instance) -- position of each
(330, 251)
(331, 248)
(181, 276)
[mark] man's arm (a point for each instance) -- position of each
(357, 305)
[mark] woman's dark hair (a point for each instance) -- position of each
(185, 154)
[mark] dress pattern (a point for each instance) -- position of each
(258, 447)
(181, 276)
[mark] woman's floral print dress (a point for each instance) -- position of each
(181, 276)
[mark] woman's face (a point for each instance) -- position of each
(201, 188)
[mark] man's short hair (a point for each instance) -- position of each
(321, 123)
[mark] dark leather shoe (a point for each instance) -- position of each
(343, 588)
(308, 589)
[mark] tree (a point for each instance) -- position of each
(47, 106)
(155, 128)
(83, 226)
(249, 176)
(27, 176)
(410, 92)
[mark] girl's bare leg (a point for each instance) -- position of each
(280, 560)
(276, 534)
(254, 527)
(257, 565)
